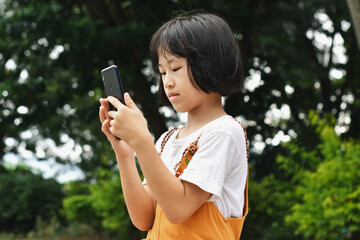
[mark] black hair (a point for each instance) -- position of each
(208, 44)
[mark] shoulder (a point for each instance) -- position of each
(226, 126)
(225, 133)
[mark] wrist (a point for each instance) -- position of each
(143, 141)
(125, 161)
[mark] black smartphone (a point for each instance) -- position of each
(112, 84)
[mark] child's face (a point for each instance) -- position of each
(182, 94)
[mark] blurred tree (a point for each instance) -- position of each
(329, 193)
(304, 56)
(299, 55)
(51, 56)
(77, 207)
(101, 206)
(52, 53)
(354, 7)
(313, 194)
(26, 198)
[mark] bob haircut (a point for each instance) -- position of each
(208, 44)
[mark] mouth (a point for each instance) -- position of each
(173, 96)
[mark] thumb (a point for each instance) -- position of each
(129, 102)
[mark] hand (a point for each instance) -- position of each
(121, 148)
(128, 123)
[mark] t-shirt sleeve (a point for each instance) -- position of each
(212, 162)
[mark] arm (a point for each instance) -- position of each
(138, 198)
(178, 199)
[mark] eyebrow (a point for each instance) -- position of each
(172, 59)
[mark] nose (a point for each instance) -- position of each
(168, 81)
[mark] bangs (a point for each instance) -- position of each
(167, 40)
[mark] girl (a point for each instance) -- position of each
(195, 183)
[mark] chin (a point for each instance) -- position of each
(180, 109)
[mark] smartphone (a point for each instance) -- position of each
(112, 83)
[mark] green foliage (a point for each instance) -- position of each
(270, 200)
(79, 208)
(329, 206)
(27, 198)
(109, 203)
(314, 194)
(102, 207)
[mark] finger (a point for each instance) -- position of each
(106, 130)
(104, 102)
(111, 114)
(115, 102)
(102, 114)
(129, 102)
(112, 131)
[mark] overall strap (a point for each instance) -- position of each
(186, 157)
(165, 139)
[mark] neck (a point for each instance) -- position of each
(204, 114)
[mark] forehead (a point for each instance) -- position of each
(165, 57)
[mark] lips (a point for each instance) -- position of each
(173, 96)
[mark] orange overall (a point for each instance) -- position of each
(206, 223)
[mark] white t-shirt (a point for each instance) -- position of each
(219, 166)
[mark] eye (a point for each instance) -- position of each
(175, 69)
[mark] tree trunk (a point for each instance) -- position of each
(354, 7)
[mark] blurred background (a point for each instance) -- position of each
(300, 105)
